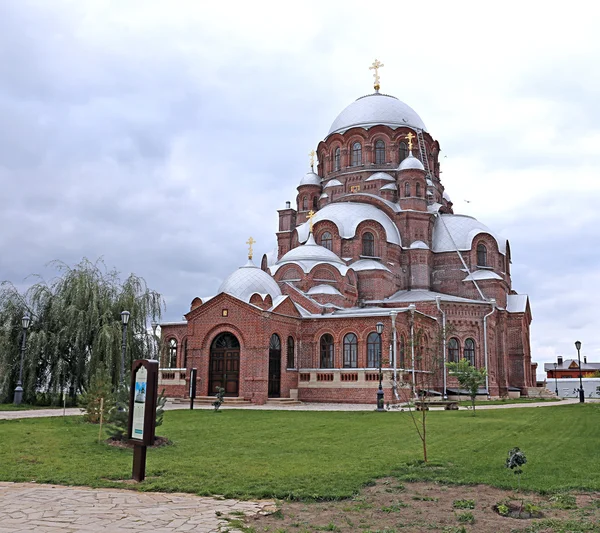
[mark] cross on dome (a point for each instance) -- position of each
(410, 137)
(312, 155)
(250, 242)
(376, 66)
(310, 216)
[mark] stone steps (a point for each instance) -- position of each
(208, 400)
(283, 401)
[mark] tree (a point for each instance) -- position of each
(75, 329)
(469, 377)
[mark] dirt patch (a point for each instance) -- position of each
(119, 443)
(392, 506)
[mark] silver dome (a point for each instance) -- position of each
(310, 179)
(248, 280)
(411, 163)
(374, 109)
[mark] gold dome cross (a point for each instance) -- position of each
(250, 242)
(376, 66)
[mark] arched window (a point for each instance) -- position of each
(327, 351)
(350, 351)
(336, 159)
(407, 189)
(453, 350)
(418, 189)
(356, 154)
(172, 355)
(481, 255)
(373, 350)
(185, 353)
(403, 151)
(290, 353)
(305, 204)
(326, 240)
(402, 352)
(315, 203)
(368, 244)
(469, 352)
(379, 153)
(275, 343)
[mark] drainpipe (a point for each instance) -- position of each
(412, 308)
(485, 346)
(394, 353)
(438, 299)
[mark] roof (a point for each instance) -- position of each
(423, 295)
(567, 363)
(389, 187)
(375, 109)
(516, 303)
(380, 176)
(419, 245)
(368, 264)
(333, 183)
(411, 163)
(308, 255)
(248, 280)
(479, 275)
(323, 289)
(452, 232)
(347, 216)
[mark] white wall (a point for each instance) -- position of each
(569, 387)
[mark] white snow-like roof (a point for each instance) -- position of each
(516, 303)
(347, 216)
(324, 195)
(323, 289)
(380, 176)
(333, 183)
(392, 205)
(368, 264)
(389, 187)
(422, 295)
(308, 255)
(433, 207)
(429, 182)
(462, 230)
(446, 197)
(375, 109)
(479, 275)
(411, 163)
(419, 245)
(310, 178)
(247, 280)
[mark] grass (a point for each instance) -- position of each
(314, 455)
(467, 403)
(24, 407)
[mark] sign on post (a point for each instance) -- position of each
(193, 375)
(142, 412)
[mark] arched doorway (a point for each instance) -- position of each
(224, 366)
(274, 366)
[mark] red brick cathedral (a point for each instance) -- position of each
(373, 239)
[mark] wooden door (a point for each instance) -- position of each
(224, 365)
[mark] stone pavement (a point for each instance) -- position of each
(31, 507)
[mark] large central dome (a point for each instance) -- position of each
(376, 109)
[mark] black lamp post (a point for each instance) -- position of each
(581, 393)
(124, 322)
(18, 398)
(155, 348)
(379, 328)
(555, 380)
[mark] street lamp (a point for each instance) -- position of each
(18, 398)
(154, 326)
(379, 328)
(555, 380)
(581, 394)
(124, 321)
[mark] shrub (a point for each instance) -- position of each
(466, 518)
(463, 504)
(91, 399)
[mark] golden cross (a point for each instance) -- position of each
(312, 155)
(310, 216)
(376, 66)
(410, 137)
(250, 242)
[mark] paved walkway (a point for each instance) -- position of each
(38, 413)
(29, 507)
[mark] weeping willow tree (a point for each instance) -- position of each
(75, 329)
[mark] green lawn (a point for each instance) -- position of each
(23, 407)
(323, 455)
(467, 403)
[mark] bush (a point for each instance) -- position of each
(100, 387)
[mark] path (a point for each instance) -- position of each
(29, 507)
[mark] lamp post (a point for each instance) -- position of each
(581, 394)
(155, 350)
(124, 321)
(18, 398)
(379, 328)
(555, 380)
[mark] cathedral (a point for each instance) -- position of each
(376, 284)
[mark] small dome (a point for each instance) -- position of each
(310, 178)
(446, 197)
(333, 183)
(323, 289)
(380, 176)
(375, 109)
(247, 280)
(389, 187)
(310, 251)
(419, 245)
(411, 163)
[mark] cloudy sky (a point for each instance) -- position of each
(161, 135)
